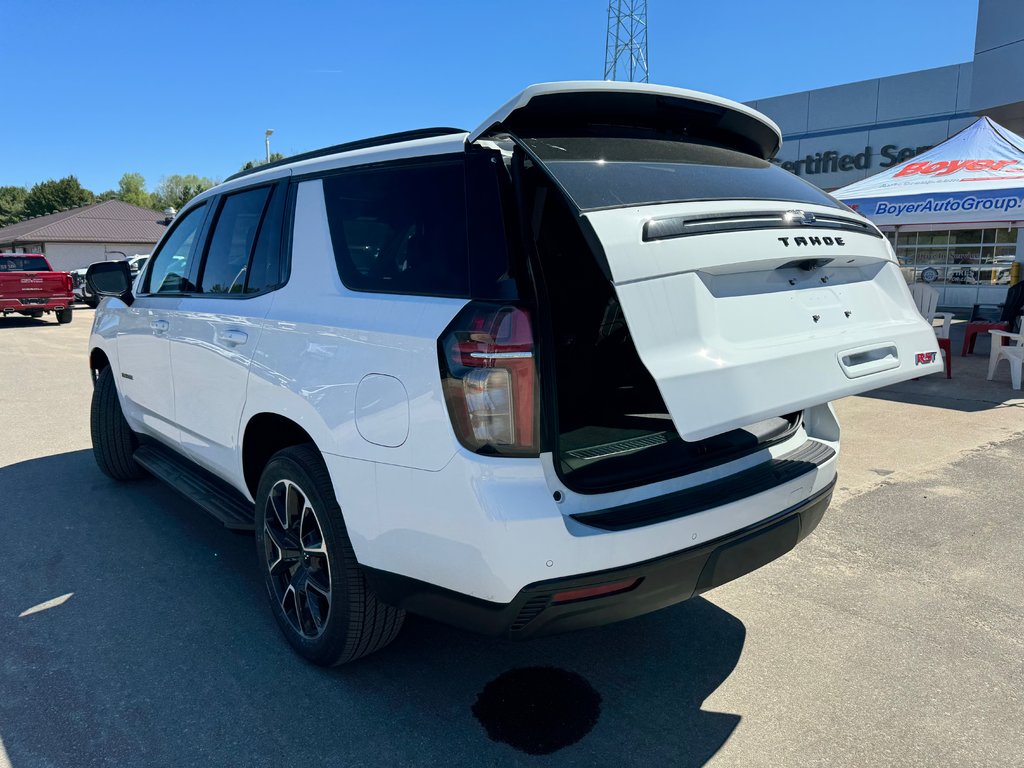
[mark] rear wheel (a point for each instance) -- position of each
(113, 441)
(317, 592)
(63, 316)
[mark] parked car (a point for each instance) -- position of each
(137, 263)
(78, 287)
(28, 286)
(568, 368)
(81, 289)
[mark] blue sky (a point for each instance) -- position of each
(97, 89)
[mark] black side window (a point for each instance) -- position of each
(490, 202)
(230, 247)
(265, 270)
(170, 268)
(401, 229)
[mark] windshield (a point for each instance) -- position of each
(601, 172)
(23, 264)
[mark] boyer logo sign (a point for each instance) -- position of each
(941, 168)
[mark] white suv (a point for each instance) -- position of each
(565, 369)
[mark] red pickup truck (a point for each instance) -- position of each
(29, 287)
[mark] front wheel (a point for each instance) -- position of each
(113, 441)
(317, 592)
(63, 316)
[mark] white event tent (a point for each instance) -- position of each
(954, 213)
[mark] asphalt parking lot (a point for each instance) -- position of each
(892, 636)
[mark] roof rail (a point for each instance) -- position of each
(375, 141)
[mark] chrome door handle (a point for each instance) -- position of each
(233, 337)
(160, 326)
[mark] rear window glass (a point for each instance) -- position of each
(400, 229)
(23, 264)
(598, 172)
(231, 244)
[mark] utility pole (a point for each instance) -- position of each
(266, 137)
(625, 49)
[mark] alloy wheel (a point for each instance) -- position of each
(296, 555)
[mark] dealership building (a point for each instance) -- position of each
(835, 136)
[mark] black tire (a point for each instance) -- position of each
(113, 441)
(356, 623)
(63, 316)
(91, 301)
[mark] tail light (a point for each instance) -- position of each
(489, 376)
(69, 283)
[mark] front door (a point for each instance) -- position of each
(215, 331)
(143, 350)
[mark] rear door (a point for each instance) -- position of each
(746, 317)
(215, 331)
(748, 293)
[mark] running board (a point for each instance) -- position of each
(209, 493)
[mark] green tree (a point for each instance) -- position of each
(274, 157)
(50, 196)
(174, 191)
(132, 189)
(12, 205)
(110, 194)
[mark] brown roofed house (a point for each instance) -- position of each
(76, 238)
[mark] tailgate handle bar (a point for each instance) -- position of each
(863, 361)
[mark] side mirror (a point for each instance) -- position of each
(110, 278)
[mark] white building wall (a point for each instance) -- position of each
(999, 61)
(68, 256)
(857, 121)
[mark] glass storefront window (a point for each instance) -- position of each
(965, 236)
(933, 238)
(972, 257)
(962, 254)
(930, 274)
(931, 255)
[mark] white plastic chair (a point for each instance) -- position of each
(926, 299)
(1013, 355)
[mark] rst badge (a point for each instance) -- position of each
(923, 358)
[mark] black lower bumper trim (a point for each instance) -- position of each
(663, 581)
(763, 477)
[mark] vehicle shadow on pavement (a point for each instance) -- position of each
(165, 653)
(17, 321)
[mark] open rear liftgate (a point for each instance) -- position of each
(738, 323)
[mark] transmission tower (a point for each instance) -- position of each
(625, 50)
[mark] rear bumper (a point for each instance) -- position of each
(50, 304)
(662, 582)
